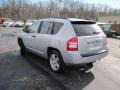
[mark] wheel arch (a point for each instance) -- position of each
(49, 49)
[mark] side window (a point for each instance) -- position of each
(34, 27)
(45, 27)
(57, 26)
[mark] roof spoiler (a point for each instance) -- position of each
(83, 22)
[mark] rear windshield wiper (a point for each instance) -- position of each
(95, 32)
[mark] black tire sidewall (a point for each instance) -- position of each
(22, 48)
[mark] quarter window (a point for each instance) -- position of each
(57, 26)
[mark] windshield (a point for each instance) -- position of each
(86, 29)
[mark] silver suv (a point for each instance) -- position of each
(65, 42)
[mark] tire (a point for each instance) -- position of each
(56, 62)
(22, 48)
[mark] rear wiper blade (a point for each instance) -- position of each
(95, 32)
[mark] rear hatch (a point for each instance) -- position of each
(91, 38)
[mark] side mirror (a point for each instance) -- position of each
(26, 29)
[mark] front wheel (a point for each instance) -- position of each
(56, 61)
(22, 48)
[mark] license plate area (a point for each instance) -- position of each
(94, 45)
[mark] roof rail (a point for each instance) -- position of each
(59, 17)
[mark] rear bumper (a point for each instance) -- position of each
(74, 58)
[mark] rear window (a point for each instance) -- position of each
(86, 29)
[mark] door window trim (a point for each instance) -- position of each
(40, 27)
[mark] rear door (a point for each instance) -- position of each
(91, 38)
(42, 38)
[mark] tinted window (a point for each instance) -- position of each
(34, 27)
(86, 29)
(56, 27)
(45, 27)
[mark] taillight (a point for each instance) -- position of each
(72, 44)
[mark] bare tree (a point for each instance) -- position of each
(23, 9)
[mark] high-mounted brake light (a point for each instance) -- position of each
(72, 44)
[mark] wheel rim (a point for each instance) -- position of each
(54, 62)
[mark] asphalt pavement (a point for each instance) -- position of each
(33, 73)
